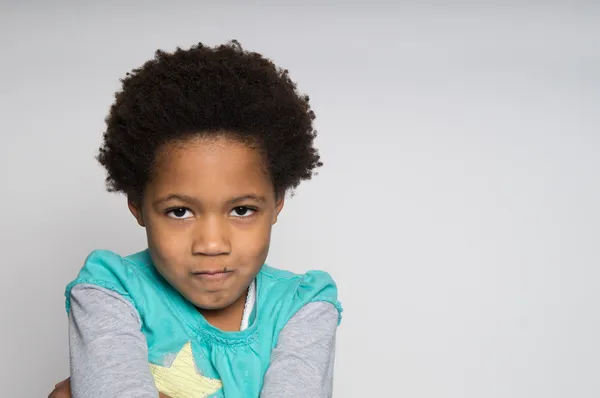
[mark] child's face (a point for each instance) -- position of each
(208, 213)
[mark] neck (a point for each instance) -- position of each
(227, 319)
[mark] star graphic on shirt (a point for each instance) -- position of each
(181, 380)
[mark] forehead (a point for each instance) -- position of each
(210, 168)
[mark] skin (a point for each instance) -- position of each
(209, 207)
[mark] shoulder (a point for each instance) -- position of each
(311, 283)
(111, 271)
(285, 293)
(105, 265)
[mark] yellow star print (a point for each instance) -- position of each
(181, 380)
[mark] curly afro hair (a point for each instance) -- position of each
(208, 91)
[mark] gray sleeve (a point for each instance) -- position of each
(302, 363)
(109, 354)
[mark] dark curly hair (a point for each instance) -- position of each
(221, 90)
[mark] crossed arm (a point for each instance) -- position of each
(109, 353)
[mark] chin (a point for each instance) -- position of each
(210, 309)
(212, 305)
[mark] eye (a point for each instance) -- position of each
(181, 213)
(242, 211)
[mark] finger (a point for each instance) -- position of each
(62, 383)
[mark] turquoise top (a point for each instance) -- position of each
(188, 356)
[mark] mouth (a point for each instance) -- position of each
(212, 275)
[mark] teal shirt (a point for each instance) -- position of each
(188, 356)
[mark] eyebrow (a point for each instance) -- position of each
(232, 201)
(243, 198)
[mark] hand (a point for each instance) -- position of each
(61, 390)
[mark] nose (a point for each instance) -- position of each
(211, 237)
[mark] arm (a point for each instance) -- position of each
(109, 354)
(302, 363)
(63, 390)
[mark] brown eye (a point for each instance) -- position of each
(180, 213)
(242, 211)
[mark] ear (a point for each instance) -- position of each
(136, 210)
(279, 202)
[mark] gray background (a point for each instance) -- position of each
(458, 207)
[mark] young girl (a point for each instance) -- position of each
(205, 143)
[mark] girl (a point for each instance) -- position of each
(205, 143)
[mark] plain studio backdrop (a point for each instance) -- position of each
(457, 208)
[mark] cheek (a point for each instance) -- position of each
(253, 245)
(167, 247)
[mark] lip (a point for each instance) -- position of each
(212, 275)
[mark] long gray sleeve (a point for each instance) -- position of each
(302, 363)
(109, 354)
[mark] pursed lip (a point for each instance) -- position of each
(212, 274)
